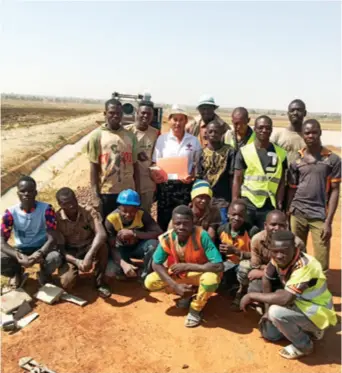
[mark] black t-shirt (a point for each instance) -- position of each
(268, 159)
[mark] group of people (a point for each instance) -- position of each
(238, 222)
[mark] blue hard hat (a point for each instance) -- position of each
(128, 197)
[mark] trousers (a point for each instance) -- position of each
(207, 283)
(290, 323)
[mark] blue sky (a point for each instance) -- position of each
(254, 54)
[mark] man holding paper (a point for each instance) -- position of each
(176, 155)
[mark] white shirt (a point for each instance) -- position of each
(167, 146)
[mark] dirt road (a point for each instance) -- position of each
(135, 331)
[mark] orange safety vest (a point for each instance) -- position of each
(193, 249)
(243, 243)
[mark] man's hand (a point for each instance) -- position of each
(24, 260)
(245, 301)
(87, 263)
(182, 289)
(189, 179)
(36, 257)
(326, 233)
(126, 235)
(227, 249)
(255, 274)
(178, 268)
(129, 269)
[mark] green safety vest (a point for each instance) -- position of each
(257, 185)
(229, 138)
(315, 302)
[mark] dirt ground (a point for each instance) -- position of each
(135, 331)
(20, 144)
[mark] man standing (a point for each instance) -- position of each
(146, 139)
(198, 126)
(242, 133)
(112, 152)
(33, 224)
(193, 260)
(82, 241)
(314, 181)
(291, 138)
(259, 174)
(303, 309)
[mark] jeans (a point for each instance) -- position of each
(143, 250)
(10, 266)
(257, 216)
(290, 323)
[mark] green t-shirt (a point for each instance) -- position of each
(208, 245)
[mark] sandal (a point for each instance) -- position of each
(291, 352)
(193, 319)
(104, 291)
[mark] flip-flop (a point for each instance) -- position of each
(193, 319)
(291, 352)
(104, 291)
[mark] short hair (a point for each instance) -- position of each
(265, 117)
(238, 202)
(241, 110)
(275, 212)
(314, 122)
(65, 192)
(146, 103)
(220, 125)
(112, 101)
(184, 211)
(297, 101)
(283, 236)
(27, 179)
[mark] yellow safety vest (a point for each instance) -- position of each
(229, 138)
(258, 185)
(115, 219)
(315, 302)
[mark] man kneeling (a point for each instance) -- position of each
(132, 234)
(82, 241)
(303, 309)
(193, 260)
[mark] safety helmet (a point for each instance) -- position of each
(128, 197)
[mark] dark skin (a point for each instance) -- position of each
(145, 117)
(199, 206)
(113, 116)
(275, 221)
(263, 130)
(237, 217)
(214, 133)
(70, 206)
(282, 252)
(207, 113)
(27, 193)
(130, 236)
(296, 114)
(312, 138)
(240, 122)
(183, 226)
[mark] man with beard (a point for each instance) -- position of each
(146, 139)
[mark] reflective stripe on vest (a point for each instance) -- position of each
(257, 185)
(316, 302)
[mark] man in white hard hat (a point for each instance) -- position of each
(206, 108)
